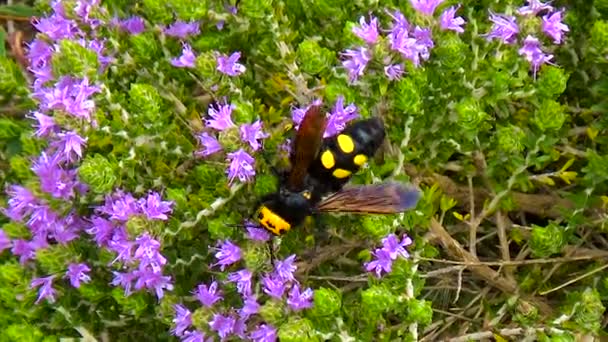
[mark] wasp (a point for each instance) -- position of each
(320, 170)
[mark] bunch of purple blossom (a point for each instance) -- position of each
(391, 249)
(506, 30)
(405, 41)
(242, 323)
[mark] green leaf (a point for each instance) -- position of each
(19, 11)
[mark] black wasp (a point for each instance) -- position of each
(320, 169)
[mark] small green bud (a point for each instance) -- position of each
(99, 173)
(256, 256)
(408, 100)
(135, 304)
(12, 81)
(145, 103)
(145, 46)
(255, 9)
(243, 112)
(16, 230)
(548, 240)
(451, 51)
(21, 166)
(297, 330)
(420, 311)
(551, 81)
(312, 58)
(230, 139)
(599, 37)
(470, 114)
(510, 139)
(589, 311)
(326, 302)
(201, 317)
(377, 226)
(377, 299)
(272, 312)
(136, 225)
(75, 60)
(550, 116)
(55, 258)
(206, 67)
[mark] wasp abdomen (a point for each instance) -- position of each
(344, 154)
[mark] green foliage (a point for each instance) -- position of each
(98, 173)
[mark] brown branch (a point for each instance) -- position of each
(456, 251)
(550, 206)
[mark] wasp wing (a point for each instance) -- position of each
(306, 145)
(385, 198)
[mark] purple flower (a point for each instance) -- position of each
(55, 180)
(356, 61)
(42, 75)
(242, 279)
(5, 241)
(46, 288)
(186, 60)
(533, 8)
(155, 208)
(394, 71)
(504, 28)
(69, 95)
(284, 269)
(42, 219)
(223, 325)
(181, 29)
(208, 295)
(134, 25)
(98, 47)
(251, 133)
(120, 206)
(210, 145)
(45, 125)
(195, 336)
(250, 307)
(241, 166)
(299, 300)
(56, 27)
(395, 248)
(339, 117)
(297, 114)
(101, 229)
(21, 202)
(367, 32)
(264, 333)
(123, 249)
(553, 26)
(382, 263)
(182, 320)
(76, 274)
(220, 116)
(124, 279)
(228, 254)
(256, 234)
(533, 54)
(426, 7)
(447, 21)
(153, 280)
(228, 64)
(69, 146)
(24, 250)
(148, 252)
(274, 287)
(39, 52)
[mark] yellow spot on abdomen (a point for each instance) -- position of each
(306, 194)
(327, 159)
(360, 159)
(341, 173)
(346, 143)
(272, 222)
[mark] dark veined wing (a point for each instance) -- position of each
(306, 145)
(384, 198)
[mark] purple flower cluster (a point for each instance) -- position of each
(506, 29)
(406, 41)
(241, 162)
(337, 119)
(277, 285)
(227, 65)
(140, 260)
(385, 256)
